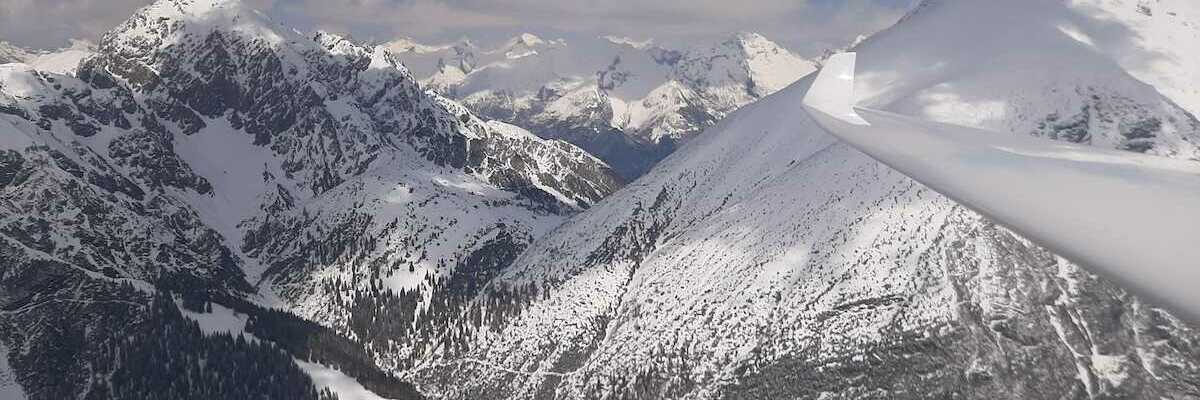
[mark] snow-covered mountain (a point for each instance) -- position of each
(10, 53)
(765, 259)
(204, 154)
(169, 207)
(61, 61)
(1146, 39)
(626, 101)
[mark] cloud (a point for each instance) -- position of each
(797, 23)
(50, 23)
(812, 24)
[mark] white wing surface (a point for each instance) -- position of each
(1132, 218)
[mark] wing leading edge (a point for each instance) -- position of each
(1132, 218)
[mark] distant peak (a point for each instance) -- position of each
(751, 40)
(525, 45)
(157, 22)
(192, 7)
(80, 44)
(405, 40)
(331, 39)
(233, 12)
(627, 41)
(750, 44)
(750, 36)
(406, 44)
(528, 39)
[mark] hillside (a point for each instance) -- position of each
(765, 259)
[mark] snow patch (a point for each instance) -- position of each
(235, 167)
(404, 280)
(1110, 368)
(220, 320)
(345, 387)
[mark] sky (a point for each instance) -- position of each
(803, 25)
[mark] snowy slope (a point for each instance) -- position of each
(766, 259)
(61, 61)
(64, 61)
(628, 102)
(1145, 37)
(344, 386)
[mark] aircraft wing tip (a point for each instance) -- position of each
(833, 90)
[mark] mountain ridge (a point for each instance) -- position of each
(629, 103)
(213, 194)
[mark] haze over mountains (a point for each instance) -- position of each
(211, 198)
(629, 102)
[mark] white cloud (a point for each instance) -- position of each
(50, 23)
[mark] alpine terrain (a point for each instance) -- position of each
(209, 205)
(765, 259)
(171, 203)
(629, 102)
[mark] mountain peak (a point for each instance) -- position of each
(752, 42)
(628, 41)
(167, 21)
(744, 56)
(192, 8)
(406, 44)
(745, 36)
(524, 45)
(527, 39)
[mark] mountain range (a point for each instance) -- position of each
(629, 102)
(765, 259)
(205, 153)
(208, 198)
